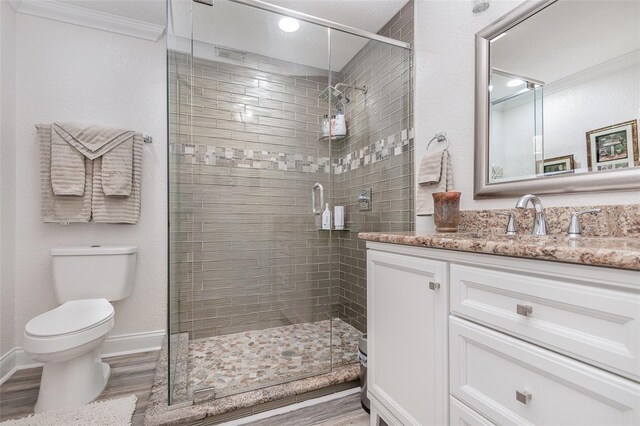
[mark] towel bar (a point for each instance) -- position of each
(145, 138)
(439, 137)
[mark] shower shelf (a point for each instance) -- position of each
(334, 229)
(333, 138)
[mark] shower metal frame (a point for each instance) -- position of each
(329, 25)
(259, 4)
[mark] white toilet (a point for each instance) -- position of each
(67, 339)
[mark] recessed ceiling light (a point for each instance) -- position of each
(515, 83)
(289, 25)
(480, 6)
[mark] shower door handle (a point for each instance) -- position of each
(317, 211)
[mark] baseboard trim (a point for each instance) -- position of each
(8, 364)
(124, 344)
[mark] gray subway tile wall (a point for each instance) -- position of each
(246, 252)
(245, 144)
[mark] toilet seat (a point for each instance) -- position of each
(71, 317)
(69, 326)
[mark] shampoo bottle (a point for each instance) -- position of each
(326, 217)
(341, 124)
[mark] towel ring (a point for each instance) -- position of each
(439, 137)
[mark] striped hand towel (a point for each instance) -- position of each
(110, 209)
(115, 146)
(437, 177)
(61, 208)
(90, 173)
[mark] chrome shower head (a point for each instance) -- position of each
(335, 96)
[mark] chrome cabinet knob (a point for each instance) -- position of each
(524, 310)
(523, 397)
(574, 224)
(434, 285)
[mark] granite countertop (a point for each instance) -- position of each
(613, 252)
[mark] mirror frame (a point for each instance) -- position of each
(613, 180)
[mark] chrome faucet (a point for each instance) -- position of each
(540, 221)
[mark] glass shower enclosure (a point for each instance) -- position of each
(259, 294)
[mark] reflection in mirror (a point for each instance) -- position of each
(515, 113)
(564, 91)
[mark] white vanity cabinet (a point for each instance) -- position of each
(407, 305)
(500, 340)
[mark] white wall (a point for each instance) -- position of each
(444, 97)
(7, 176)
(71, 73)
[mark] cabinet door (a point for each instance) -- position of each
(407, 344)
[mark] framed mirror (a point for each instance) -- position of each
(558, 99)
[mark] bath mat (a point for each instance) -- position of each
(113, 412)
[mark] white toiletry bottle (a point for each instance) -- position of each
(341, 124)
(326, 217)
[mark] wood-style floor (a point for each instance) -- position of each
(134, 374)
(339, 412)
(129, 374)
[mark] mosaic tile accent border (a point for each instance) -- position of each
(381, 150)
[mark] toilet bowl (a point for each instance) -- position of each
(67, 340)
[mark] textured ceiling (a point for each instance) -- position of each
(248, 29)
(369, 15)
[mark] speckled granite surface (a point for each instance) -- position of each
(610, 238)
(614, 252)
(613, 221)
(159, 413)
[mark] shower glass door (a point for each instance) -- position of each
(255, 277)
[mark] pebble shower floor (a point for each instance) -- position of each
(250, 360)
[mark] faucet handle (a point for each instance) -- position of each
(574, 224)
(511, 225)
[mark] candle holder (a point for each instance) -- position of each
(446, 211)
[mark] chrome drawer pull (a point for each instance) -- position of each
(524, 310)
(523, 397)
(433, 285)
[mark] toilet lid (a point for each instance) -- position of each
(71, 317)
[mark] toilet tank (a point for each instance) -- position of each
(93, 272)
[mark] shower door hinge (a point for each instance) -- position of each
(207, 2)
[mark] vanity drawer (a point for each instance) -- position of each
(461, 415)
(513, 382)
(600, 326)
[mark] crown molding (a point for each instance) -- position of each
(89, 18)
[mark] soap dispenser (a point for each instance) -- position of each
(326, 217)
